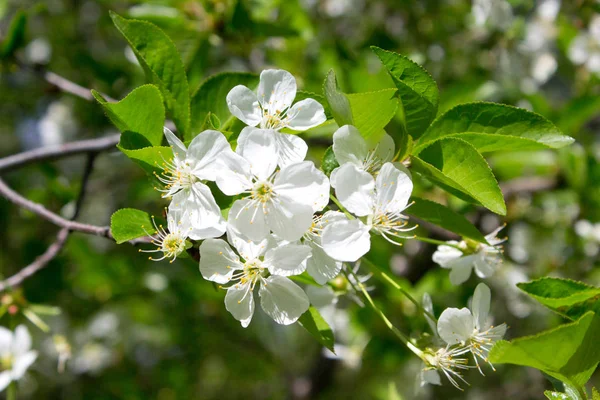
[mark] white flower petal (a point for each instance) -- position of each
(6, 339)
(179, 150)
(259, 148)
(248, 249)
(288, 219)
(354, 188)
(346, 240)
(5, 379)
(385, 149)
(218, 261)
(455, 326)
(287, 260)
(393, 187)
(243, 103)
(239, 301)
(201, 209)
(305, 114)
(481, 306)
(22, 363)
(320, 266)
(445, 254)
(430, 376)
(290, 149)
(276, 90)
(483, 267)
(283, 300)
(303, 183)
(349, 146)
(203, 153)
(248, 217)
(460, 269)
(22, 341)
(235, 176)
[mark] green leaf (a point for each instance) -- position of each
(162, 64)
(372, 111)
(128, 223)
(15, 34)
(443, 216)
(314, 323)
(417, 90)
(564, 296)
(569, 353)
(595, 394)
(141, 112)
(329, 162)
(150, 159)
(559, 396)
(458, 168)
(211, 97)
(495, 127)
(369, 112)
(337, 100)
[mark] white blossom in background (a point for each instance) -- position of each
(271, 109)
(463, 257)
(321, 266)
(351, 148)
(265, 264)
(183, 176)
(283, 202)
(171, 242)
(585, 48)
(471, 328)
(496, 14)
(16, 355)
(378, 202)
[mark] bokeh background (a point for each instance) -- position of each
(144, 330)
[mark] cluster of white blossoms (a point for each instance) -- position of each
(457, 333)
(279, 224)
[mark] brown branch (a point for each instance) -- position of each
(54, 152)
(70, 87)
(56, 219)
(55, 248)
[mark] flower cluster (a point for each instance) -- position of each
(457, 333)
(278, 225)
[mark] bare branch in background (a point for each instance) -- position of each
(527, 185)
(55, 152)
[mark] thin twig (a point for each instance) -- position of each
(55, 248)
(527, 185)
(60, 151)
(71, 87)
(56, 219)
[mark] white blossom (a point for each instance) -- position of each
(471, 328)
(378, 202)
(283, 202)
(321, 266)
(585, 48)
(183, 176)
(265, 264)
(350, 147)
(16, 355)
(271, 109)
(463, 257)
(171, 242)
